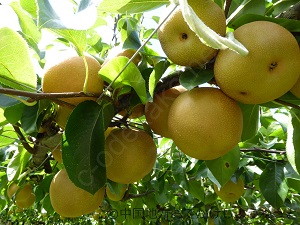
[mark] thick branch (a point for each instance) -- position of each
(292, 13)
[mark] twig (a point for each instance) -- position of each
(263, 150)
(131, 196)
(25, 144)
(281, 102)
(39, 96)
(227, 7)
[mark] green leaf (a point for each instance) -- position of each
(30, 6)
(192, 78)
(179, 173)
(293, 183)
(16, 70)
(224, 167)
(161, 193)
(76, 37)
(157, 73)
(132, 40)
(14, 113)
(8, 136)
(131, 76)
(130, 6)
(29, 118)
(256, 7)
(272, 184)
(293, 141)
(196, 189)
(3, 120)
(83, 19)
(291, 25)
(17, 163)
(27, 24)
(250, 120)
(84, 144)
(6, 101)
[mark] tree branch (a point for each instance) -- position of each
(227, 7)
(130, 196)
(281, 102)
(38, 96)
(263, 150)
(25, 144)
(292, 13)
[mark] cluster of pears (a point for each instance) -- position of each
(24, 195)
(130, 153)
(207, 122)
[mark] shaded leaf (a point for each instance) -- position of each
(179, 173)
(272, 184)
(29, 118)
(16, 70)
(250, 120)
(84, 144)
(130, 6)
(156, 74)
(291, 25)
(196, 189)
(255, 7)
(14, 113)
(192, 78)
(293, 141)
(224, 167)
(131, 76)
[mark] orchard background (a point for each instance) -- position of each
(179, 190)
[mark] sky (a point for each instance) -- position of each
(8, 18)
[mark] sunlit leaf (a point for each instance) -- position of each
(16, 70)
(131, 76)
(84, 144)
(76, 37)
(27, 24)
(17, 163)
(83, 19)
(273, 185)
(3, 120)
(7, 136)
(130, 6)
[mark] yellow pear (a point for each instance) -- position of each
(181, 45)
(271, 68)
(205, 123)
